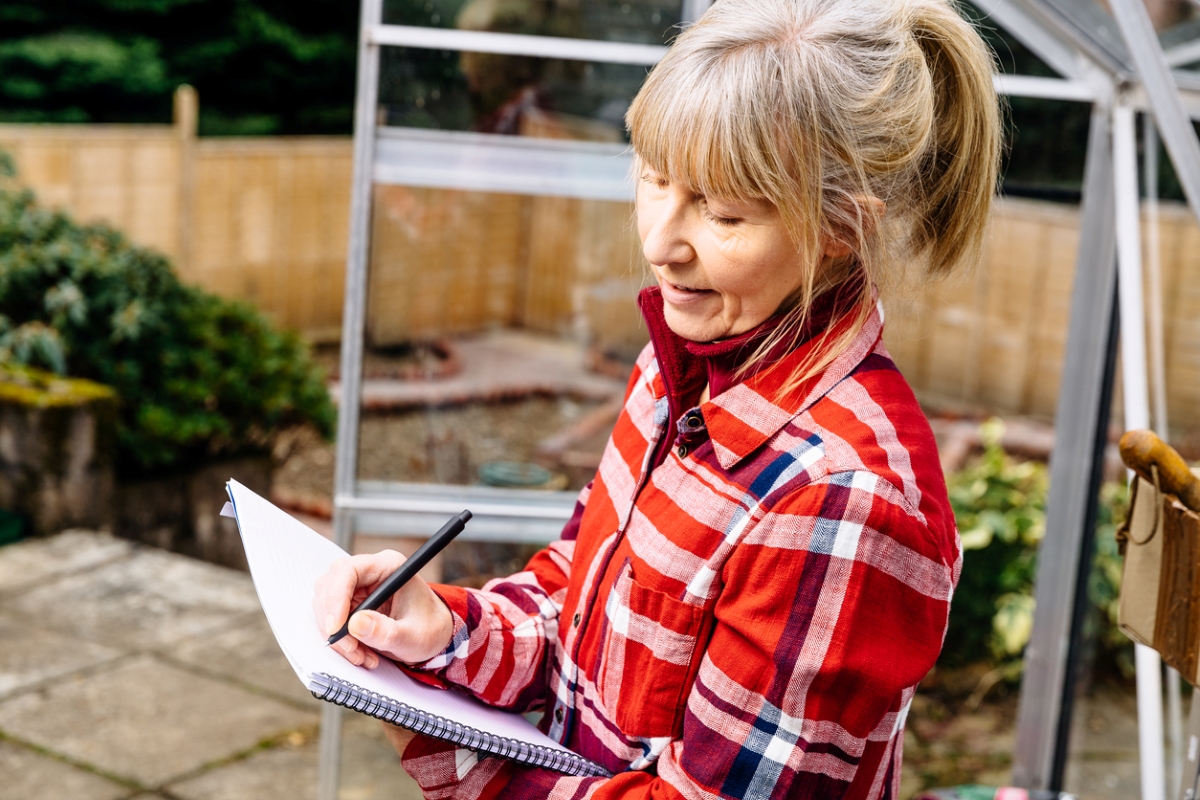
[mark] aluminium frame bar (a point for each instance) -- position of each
(1174, 126)
(1079, 438)
(1136, 402)
(1184, 53)
(516, 44)
(1029, 24)
(329, 749)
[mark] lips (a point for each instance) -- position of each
(678, 295)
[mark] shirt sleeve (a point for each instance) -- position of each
(832, 609)
(503, 633)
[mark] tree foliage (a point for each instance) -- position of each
(261, 66)
(198, 376)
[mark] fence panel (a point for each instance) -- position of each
(266, 220)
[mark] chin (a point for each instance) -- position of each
(694, 330)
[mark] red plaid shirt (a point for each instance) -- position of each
(747, 619)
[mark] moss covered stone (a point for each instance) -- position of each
(35, 388)
(58, 441)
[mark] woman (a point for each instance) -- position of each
(760, 573)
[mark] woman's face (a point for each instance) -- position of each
(724, 266)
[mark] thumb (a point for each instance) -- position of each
(373, 629)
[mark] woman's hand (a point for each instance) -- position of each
(413, 626)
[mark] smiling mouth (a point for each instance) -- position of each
(677, 287)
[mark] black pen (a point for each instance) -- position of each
(434, 545)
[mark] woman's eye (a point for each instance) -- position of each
(657, 181)
(719, 220)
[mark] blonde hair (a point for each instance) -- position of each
(819, 105)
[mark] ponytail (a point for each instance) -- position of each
(958, 175)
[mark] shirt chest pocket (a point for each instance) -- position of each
(647, 652)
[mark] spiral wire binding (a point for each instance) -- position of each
(348, 695)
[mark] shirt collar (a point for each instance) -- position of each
(743, 418)
(741, 415)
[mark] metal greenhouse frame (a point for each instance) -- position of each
(1114, 62)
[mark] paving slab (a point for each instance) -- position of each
(281, 773)
(246, 652)
(370, 767)
(28, 775)
(147, 721)
(32, 655)
(31, 562)
(155, 599)
(370, 771)
(1103, 760)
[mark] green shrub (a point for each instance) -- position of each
(1000, 506)
(198, 376)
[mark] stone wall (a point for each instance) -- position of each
(57, 446)
(182, 512)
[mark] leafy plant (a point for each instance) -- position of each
(261, 66)
(198, 376)
(999, 504)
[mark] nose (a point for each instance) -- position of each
(664, 222)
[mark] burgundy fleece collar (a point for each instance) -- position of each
(686, 366)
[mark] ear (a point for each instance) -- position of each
(871, 210)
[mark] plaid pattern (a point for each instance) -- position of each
(747, 620)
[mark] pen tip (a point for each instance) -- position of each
(465, 516)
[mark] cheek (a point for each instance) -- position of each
(765, 277)
(645, 211)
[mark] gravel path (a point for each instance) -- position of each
(443, 445)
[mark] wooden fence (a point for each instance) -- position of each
(266, 220)
(263, 220)
(997, 339)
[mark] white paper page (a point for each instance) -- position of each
(286, 557)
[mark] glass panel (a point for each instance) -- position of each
(500, 332)
(641, 22)
(500, 328)
(512, 95)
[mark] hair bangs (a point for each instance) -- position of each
(717, 142)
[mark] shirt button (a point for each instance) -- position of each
(558, 714)
(575, 621)
(694, 421)
(683, 451)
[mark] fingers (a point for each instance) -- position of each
(347, 582)
(422, 625)
(404, 639)
(356, 652)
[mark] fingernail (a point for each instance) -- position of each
(361, 626)
(331, 625)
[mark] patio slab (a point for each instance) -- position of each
(32, 655)
(153, 599)
(31, 563)
(159, 680)
(282, 773)
(248, 653)
(147, 721)
(29, 774)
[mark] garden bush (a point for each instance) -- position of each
(199, 377)
(1000, 506)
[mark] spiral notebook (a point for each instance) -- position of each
(286, 557)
